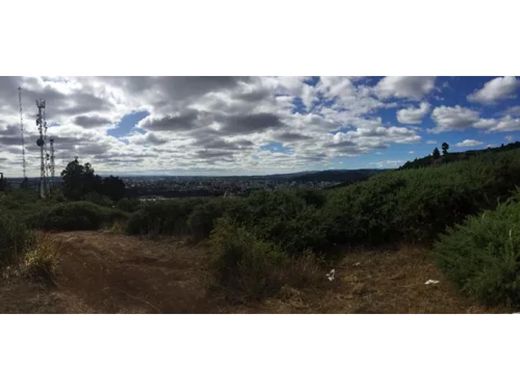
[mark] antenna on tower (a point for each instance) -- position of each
(23, 136)
(51, 140)
(42, 128)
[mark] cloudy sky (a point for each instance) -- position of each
(254, 125)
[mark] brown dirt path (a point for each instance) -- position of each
(115, 273)
(103, 272)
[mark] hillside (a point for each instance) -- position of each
(457, 156)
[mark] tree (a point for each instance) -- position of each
(113, 187)
(445, 148)
(79, 180)
(3, 182)
(436, 154)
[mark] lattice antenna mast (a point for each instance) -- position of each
(52, 167)
(42, 125)
(22, 133)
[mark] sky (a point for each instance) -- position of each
(254, 125)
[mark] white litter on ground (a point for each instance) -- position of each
(330, 275)
(431, 281)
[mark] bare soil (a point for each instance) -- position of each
(103, 272)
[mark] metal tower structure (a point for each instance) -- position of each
(42, 129)
(22, 133)
(52, 167)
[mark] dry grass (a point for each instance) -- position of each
(384, 281)
(40, 263)
(112, 273)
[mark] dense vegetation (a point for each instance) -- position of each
(249, 267)
(14, 239)
(436, 158)
(482, 255)
(76, 216)
(261, 241)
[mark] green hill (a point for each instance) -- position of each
(456, 156)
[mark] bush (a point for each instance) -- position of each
(40, 262)
(128, 205)
(14, 239)
(99, 199)
(251, 268)
(482, 256)
(162, 217)
(203, 218)
(288, 218)
(245, 265)
(77, 216)
(417, 204)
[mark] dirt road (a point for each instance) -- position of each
(103, 272)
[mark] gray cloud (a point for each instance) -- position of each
(250, 123)
(185, 121)
(89, 122)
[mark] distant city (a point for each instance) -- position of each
(158, 187)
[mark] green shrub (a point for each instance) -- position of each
(482, 256)
(77, 216)
(203, 218)
(14, 239)
(251, 268)
(99, 199)
(244, 264)
(417, 204)
(163, 217)
(128, 205)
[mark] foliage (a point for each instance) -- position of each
(483, 255)
(244, 264)
(40, 262)
(79, 180)
(445, 146)
(128, 205)
(418, 204)
(202, 219)
(14, 239)
(412, 205)
(77, 216)
(163, 217)
(458, 156)
(252, 268)
(436, 154)
(112, 187)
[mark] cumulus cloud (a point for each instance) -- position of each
(91, 121)
(412, 115)
(499, 88)
(454, 118)
(203, 124)
(404, 87)
(467, 143)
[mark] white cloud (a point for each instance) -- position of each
(431, 142)
(404, 87)
(467, 143)
(454, 118)
(499, 88)
(506, 123)
(412, 115)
